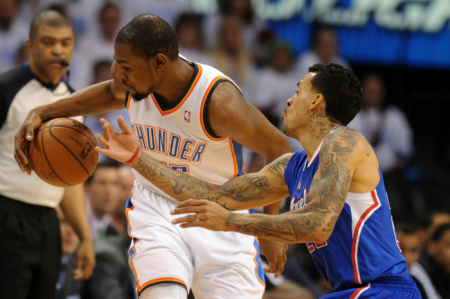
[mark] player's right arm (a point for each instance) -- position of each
(243, 192)
(99, 98)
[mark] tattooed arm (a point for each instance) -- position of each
(340, 154)
(243, 192)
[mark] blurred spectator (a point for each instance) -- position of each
(102, 192)
(169, 10)
(242, 10)
(411, 244)
(101, 72)
(231, 57)
(67, 287)
(190, 39)
(13, 33)
(95, 46)
(386, 128)
(436, 261)
(126, 178)
(112, 277)
(276, 84)
(430, 221)
(324, 49)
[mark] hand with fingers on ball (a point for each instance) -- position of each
(202, 213)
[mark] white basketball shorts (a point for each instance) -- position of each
(214, 264)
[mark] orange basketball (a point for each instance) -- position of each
(62, 152)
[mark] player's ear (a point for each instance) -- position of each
(316, 101)
(160, 61)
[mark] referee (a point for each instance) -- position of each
(30, 239)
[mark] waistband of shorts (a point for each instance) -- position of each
(16, 204)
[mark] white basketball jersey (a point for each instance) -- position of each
(179, 135)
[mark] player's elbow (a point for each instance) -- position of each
(278, 147)
(320, 238)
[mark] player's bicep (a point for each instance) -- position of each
(332, 180)
(230, 115)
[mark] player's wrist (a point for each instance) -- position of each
(135, 158)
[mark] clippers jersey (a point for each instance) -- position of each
(179, 135)
(363, 246)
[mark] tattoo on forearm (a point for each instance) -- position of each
(181, 186)
(326, 199)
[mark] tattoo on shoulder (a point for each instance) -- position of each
(279, 165)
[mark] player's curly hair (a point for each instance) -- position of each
(149, 35)
(340, 88)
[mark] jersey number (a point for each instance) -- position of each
(179, 168)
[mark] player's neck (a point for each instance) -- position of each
(313, 135)
(179, 77)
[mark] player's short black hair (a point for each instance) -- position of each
(440, 231)
(108, 163)
(340, 88)
(49, 18)
(149, 35)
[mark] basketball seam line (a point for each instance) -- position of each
(50, 131)
(87, 136)
(48, 162)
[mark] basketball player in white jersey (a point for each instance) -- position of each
(194, 119)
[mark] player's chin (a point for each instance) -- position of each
(139, 96)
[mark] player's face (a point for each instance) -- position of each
(133, 72)
(296, 114)
(411, 247)
(48, 48)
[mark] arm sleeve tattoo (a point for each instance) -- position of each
(328, 192)
(243, 192)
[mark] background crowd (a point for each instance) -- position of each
(409, 137)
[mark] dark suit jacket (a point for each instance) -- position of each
(112, 277)
(72, 289)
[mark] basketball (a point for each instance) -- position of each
(62, 152)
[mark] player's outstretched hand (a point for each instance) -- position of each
(85, 260)
(120, 146)
(275, 253)
(203, 213)
(23, 138)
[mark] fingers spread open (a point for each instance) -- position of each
(102, 141)
(123, 126)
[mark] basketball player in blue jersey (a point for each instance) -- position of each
(339, 205)
(193, 118)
